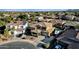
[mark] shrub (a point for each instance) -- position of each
(77, 26)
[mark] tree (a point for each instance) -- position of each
(2, 23)
(77, 14)
(24, 17)
(6, 33)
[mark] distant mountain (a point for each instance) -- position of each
(73, 10)
(34, 10)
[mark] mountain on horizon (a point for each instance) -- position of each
(24, 10)
(74, 10)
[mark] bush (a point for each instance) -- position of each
(6, 33)
(77, 26)
(2, 23)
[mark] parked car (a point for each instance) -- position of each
(2, 28)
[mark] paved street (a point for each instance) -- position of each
(17, 44)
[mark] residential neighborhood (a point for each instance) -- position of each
(39, 30)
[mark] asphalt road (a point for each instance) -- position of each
(17, 45)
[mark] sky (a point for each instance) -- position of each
(39, 4)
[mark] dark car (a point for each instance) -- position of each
(2, 28)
